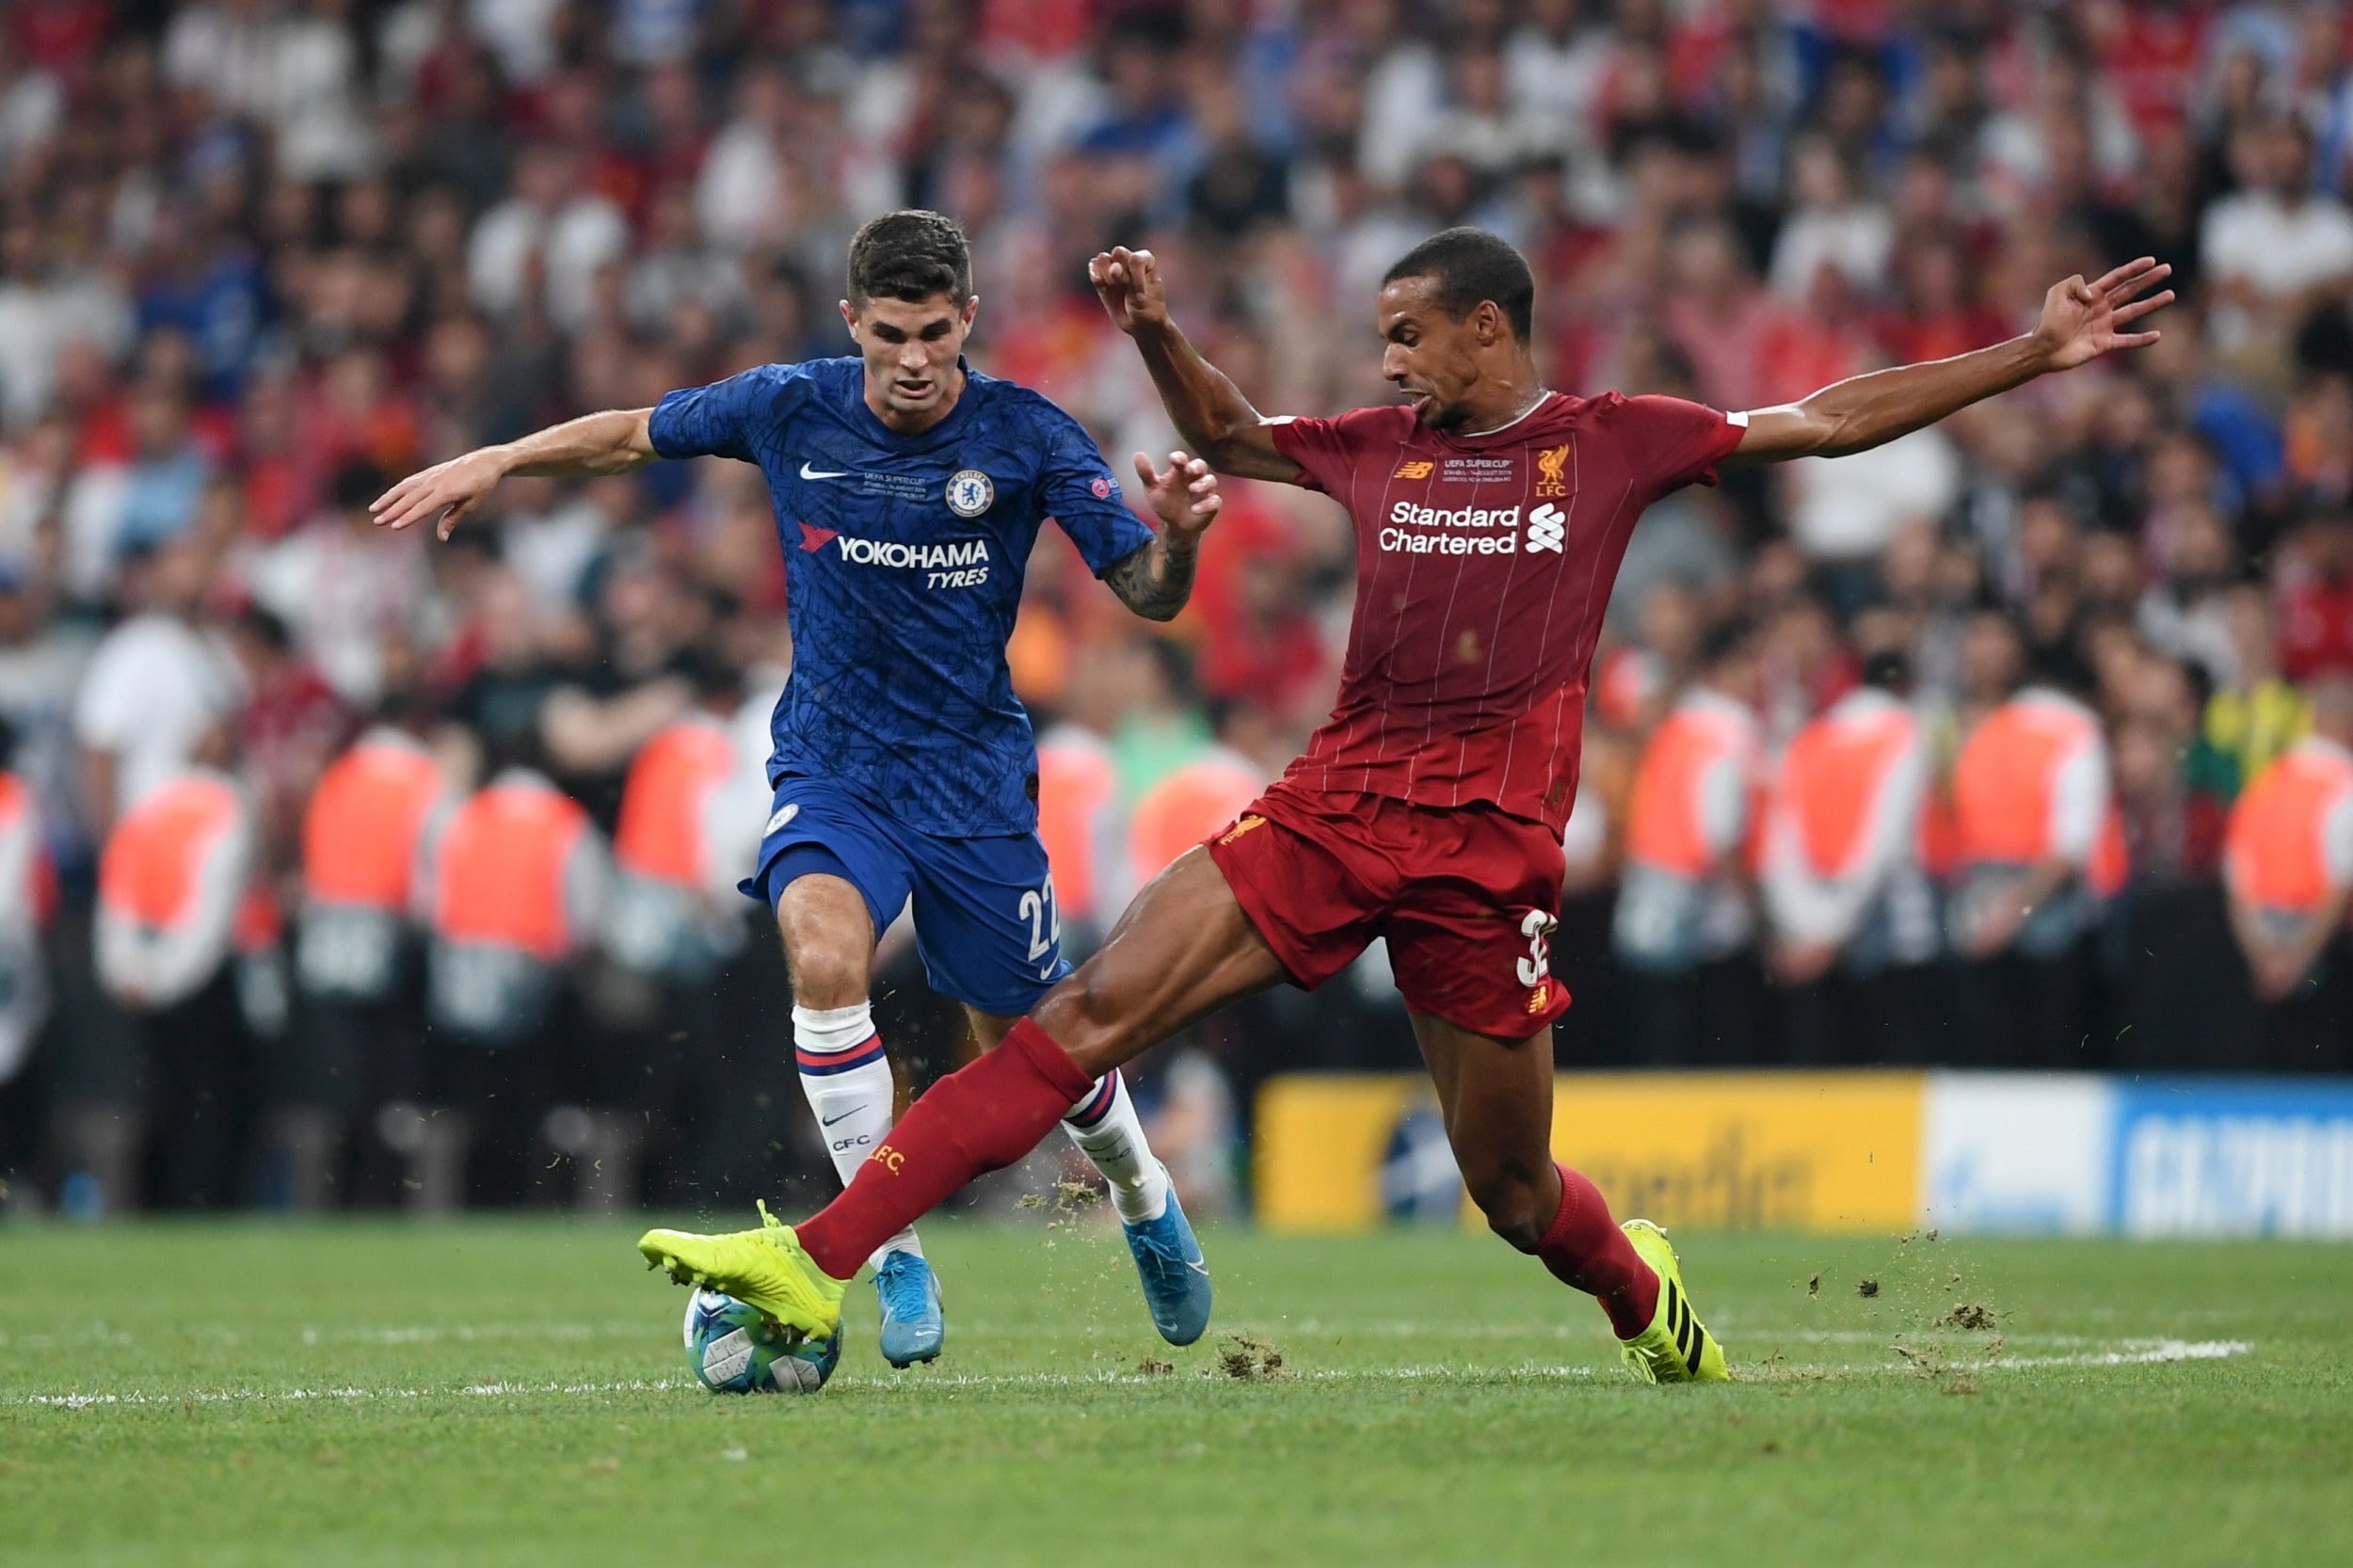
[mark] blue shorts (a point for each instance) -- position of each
(985, 917)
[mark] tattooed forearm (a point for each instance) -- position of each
(1154, 580)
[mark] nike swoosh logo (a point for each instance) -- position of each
(1048, 972)
(808, 472)
(1200, 1269)
(829, 1121)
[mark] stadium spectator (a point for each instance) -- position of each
(2276, 248)
(2038, 846)
(1851, 911)
(157, 687)
(358, 1049)
(2290, 874)
(514, 894)
(1685, 918)
(28, 896)
(176, 871)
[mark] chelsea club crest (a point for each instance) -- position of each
(971, 493)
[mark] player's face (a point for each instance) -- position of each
(910, 347)
(1432, 358)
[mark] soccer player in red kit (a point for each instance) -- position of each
(1491, 515)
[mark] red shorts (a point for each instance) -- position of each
(1465, 896)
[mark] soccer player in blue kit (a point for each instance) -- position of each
(908, 491)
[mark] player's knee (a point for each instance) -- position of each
(826, 970)
(1511, 1201)
(1089, 1016)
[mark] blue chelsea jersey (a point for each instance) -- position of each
(903, 559)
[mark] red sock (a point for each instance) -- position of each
(979, 1119)
(1586, 1249)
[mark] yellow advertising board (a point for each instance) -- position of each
(1781, 1151)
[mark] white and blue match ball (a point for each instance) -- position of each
(736, 1349)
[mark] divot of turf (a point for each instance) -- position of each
(1248, 1360)
(1975, 1315)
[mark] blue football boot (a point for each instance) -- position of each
(912, 1327)
(1176, 1281)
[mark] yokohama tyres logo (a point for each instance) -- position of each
(1546, 528)
(918, 557)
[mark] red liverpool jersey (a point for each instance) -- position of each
(1483, 565)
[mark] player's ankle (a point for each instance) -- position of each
(1144, 1198)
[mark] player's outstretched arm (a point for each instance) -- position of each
(2080, 322)
(1208, 409)
(1155, 580)
(585, 448)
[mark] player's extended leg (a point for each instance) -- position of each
(1183, 949)
(829, 936)
(1496, 1098)
(1105, 1125)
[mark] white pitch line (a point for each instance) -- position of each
(274, 1396)
(2148, 1353)
(2130, 1354)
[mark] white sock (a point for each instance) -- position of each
(847, 1080)
(1105, 1128)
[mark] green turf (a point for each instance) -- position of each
(513, 1393)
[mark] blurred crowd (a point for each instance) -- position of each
(1961, 750)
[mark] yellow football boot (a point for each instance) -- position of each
(1674, 1349)
(765, 1267)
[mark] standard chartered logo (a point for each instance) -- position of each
(1405, 512)
(1545, 529)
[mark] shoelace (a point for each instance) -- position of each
(1165, 1254)
(902, 1292)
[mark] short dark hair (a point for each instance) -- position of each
(1728, 641)
(1887, 669)
(910, 255)
(356, 483)
(265, 628)
(1469, 265)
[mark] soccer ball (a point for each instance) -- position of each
(736, 1349)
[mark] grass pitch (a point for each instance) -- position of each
(513, 1392)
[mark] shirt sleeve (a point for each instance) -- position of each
(1076, 488)
(714, 421)
(1814, 908)
(106, 713)
(587, 883)
(1673, 443)
(1723, 807)
(2336, 843)
(2079, 798)
(1802, 905)
(1327, 450)
(1314, 444)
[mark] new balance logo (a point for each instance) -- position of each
(1546, 527)
(1418, 468)
(1246, 824)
